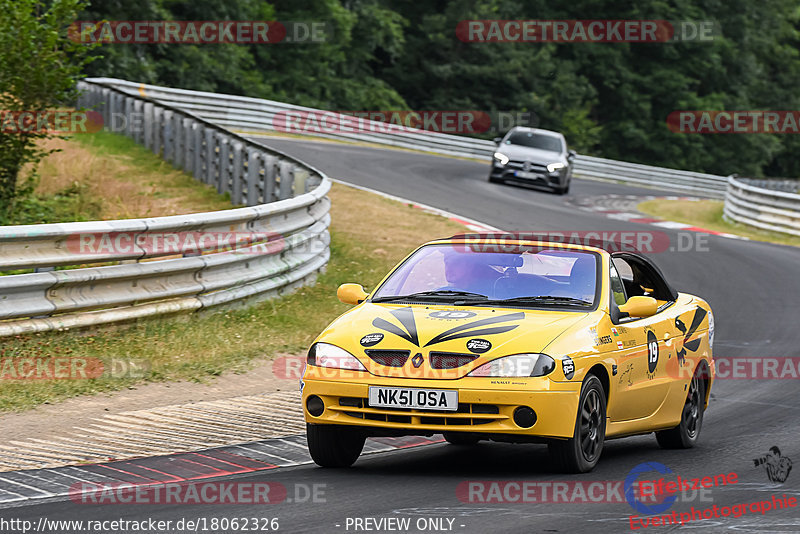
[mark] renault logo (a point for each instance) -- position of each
(417, 360)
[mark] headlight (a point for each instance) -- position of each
(517, 365)
(327, 355)
(500, 158)
(553, 167)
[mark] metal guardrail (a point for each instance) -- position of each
(773, 210)
(280, 242)
(256, 115)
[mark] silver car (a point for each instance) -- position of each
(533, 156)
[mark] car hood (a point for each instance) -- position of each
(481, 332)
(519, 152)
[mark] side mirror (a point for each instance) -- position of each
(640, 306)
(497, 140)
(572, 154)
(351, 294)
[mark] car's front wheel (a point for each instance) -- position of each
(334, 446)
(685, 435)
(580, 453)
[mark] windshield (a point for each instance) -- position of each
(453, 272)
(535, 140)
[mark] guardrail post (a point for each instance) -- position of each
(128, 129)
(147, 125)
(254, 166)
(270, 178)
(199, 151)
(237, 174)
(224, 182)
(287, 180)
(212, 168)
(168, 136)
(179, 141)
(158, 138)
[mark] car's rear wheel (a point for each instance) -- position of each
(685, 435)
(334, 446)
(460, 438)
(580, 453)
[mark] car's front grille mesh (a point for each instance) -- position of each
(426, 417)
(450, 360)
(389, 358)
(515, 164)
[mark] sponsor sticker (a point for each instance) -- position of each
(370, 340)
(478, 346)
(569, 367)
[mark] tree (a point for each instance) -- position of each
(39, 67)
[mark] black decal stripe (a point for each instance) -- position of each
(383, 324)
(474, 324)
(480, 332)
(406, 318)
(699, 315)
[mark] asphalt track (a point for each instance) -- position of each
(752, 287)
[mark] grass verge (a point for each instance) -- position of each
(708, 214)
(369, 235)
(104, 176)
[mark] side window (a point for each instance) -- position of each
(617, 288)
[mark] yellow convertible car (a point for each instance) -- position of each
(480, 337)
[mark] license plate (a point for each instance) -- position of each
(413, 398)
(525, 174)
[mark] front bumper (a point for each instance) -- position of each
(482, 408)
(550, 179)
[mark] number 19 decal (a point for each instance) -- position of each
(652, 351)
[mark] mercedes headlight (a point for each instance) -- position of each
(500, 158)
(553, 167)
(333, 357)
(518, 365)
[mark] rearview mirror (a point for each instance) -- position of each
(351, 293)
(640, 306)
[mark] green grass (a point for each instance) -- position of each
(708, 214)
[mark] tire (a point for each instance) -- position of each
(334, 446)
(494, 180)
(460, 438)
(562, 190)
(685, 435)
(577, 455)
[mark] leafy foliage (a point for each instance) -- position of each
(609, 99)
(39, 66)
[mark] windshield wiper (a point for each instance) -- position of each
(432, 294)
(537, 299)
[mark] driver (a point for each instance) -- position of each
(469, 272)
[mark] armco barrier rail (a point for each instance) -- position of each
(773, 210)
(257, 115)
(279, 242)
